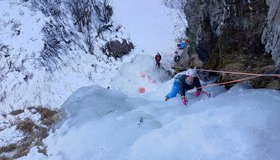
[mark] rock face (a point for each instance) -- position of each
(235, 35)
(271, 33)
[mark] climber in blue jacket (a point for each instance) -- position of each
(181, 45)
(183, 83)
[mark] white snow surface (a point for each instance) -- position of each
(150, 24)
(154, 31)
(42, 87)
(122, 124)
(103, 124)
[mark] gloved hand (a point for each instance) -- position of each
(197, 93)
(184, 101)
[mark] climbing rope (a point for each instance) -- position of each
(237, 73)
(241, 73)
(252, 76)
(229, 82)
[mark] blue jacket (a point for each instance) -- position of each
(182, 45)
(180, 86)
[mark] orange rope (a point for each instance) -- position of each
(229, 82)
(253, 75)
(239, 73)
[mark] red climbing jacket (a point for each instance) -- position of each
(158, 57)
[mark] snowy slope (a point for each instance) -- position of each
(22, 40)
(27, 81)
(24, 80)
(121, 123)
(104, 124)
(150, 24)
(154, 27)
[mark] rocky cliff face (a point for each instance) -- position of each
(271, 33)
(235, 35)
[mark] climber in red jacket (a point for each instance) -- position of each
(158, 58)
